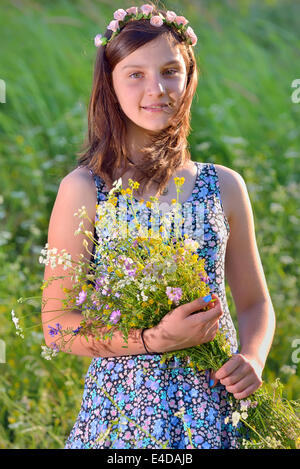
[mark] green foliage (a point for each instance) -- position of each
(243, 118)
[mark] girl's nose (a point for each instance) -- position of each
(155, 86)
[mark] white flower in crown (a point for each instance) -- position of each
(156, 21)
(120, 14)
(113, 25)
(146, 9)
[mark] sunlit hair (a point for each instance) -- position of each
(105, 147)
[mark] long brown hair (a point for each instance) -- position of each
(105, 146)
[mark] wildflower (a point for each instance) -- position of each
(19, 330)
(115, 316)
(235, 418)
(54, 331)
(81, 297)
(48, 352)
(191, 245)
(174, 294)
(245, 405)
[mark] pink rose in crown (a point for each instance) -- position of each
(120, 14)
(156, 21)
(191, 35)
(181, 20)
(98, 40)
(146, 9)
(170, 16)
(113, 25)
(132, 11)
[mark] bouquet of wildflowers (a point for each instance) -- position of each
(135, 278)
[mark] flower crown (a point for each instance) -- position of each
(121, 17)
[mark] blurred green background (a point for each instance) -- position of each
(243, 118)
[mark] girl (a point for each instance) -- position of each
(145, 78)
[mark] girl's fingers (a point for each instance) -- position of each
(212, 379)
(227, 369)
(240, 386)
(237, 375)
(246, 392)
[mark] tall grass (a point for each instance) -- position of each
(243, 118)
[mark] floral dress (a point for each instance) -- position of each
(136, 402)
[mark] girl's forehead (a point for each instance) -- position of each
(154, 52)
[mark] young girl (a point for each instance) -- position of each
(145, 79)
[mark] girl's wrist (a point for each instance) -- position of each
(150, 344)
(253, 358)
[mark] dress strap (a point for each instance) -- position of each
(214, 186)
(99, 185)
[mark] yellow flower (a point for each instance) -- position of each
(141, 201)
(151, 301)
(144, 304)
(110, 269)
(173, 201)
(128, 191)
(148, 204)
(123, 192)
(19, 139)
(113, 201)
(119, 273)
(169, 302)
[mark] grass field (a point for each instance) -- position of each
(243, 118)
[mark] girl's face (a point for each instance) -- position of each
(153, 74)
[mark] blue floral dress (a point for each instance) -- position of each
(136, 402)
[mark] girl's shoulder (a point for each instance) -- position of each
(232, 186)
(83, 178)
(81, 173)
(81, 183)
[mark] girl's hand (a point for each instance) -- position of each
(186, 326)
(241, 375)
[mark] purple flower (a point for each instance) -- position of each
(115, 316)
(54, 331)
(54, 346)
(174, 294)
(75, 331)
(81, 297)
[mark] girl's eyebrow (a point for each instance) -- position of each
(142, 66)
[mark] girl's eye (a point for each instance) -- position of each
(169, 70)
